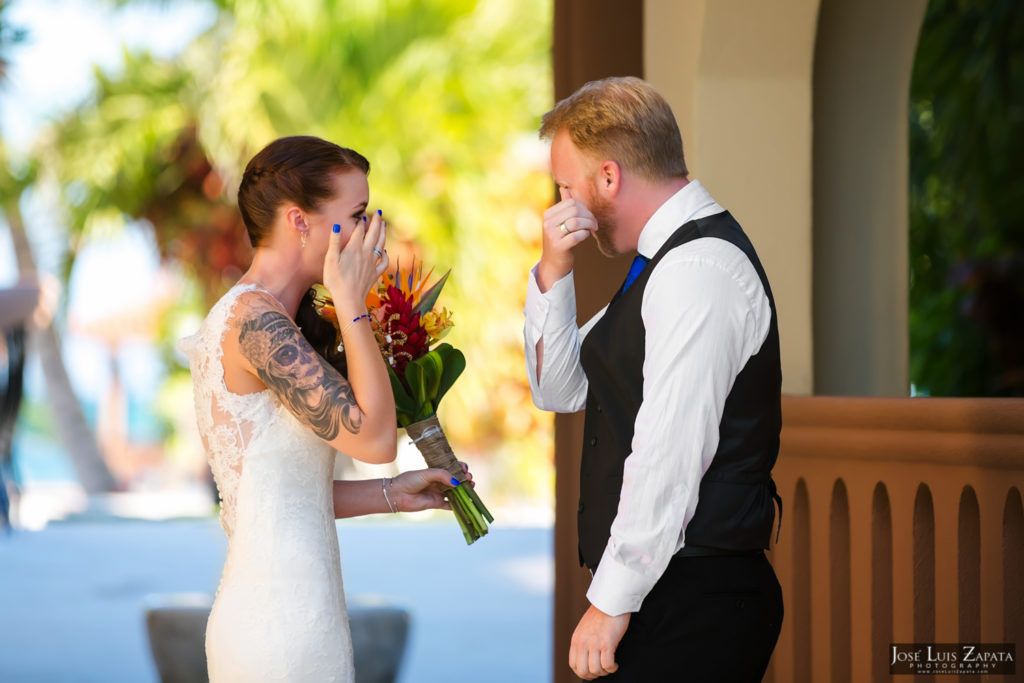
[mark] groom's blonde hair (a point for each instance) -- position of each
(622, 119)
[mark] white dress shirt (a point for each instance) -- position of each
(705, 314)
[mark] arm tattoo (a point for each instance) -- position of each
(311, 389)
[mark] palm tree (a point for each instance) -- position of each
(72, 428)
(132, 152)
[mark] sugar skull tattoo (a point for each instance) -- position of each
(298, 375)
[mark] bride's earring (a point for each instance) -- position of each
(303, 230)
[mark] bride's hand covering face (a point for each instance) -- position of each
(354, 261)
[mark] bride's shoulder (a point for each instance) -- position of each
(255, 322)
(219, 320)
(241, 305)
(242, 302)
(251, 309)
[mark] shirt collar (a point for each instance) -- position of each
(692, 201)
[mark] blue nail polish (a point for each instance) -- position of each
(336, 228)
(364, 219)
(379, 213)
(455, 482)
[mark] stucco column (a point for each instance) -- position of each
(738, 76)
(864, 58)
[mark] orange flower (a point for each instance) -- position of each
(411, 285)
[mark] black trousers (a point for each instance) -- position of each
(708, 619)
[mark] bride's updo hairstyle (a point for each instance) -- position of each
(295, 169)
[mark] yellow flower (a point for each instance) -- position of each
(323, 305)
(437, 324)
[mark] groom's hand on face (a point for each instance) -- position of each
(565, 225)
(593, 645)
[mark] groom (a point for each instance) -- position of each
(681, 380)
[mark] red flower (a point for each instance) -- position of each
(401, 326)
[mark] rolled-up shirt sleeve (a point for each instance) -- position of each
(551, 316)
(702, 324)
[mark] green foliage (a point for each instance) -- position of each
(433, 92)
(427, 379)
(113, 153)
(14, 178)
(453, 363)
(966, 217)
(131, 151)
(444, 98)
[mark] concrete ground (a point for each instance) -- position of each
(72, 595)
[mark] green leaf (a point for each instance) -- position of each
(454, 363)
(405, 405)
(429, 297)
(414, 377)
(433, 367)
(424, 377)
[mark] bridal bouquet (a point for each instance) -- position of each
(409, 329)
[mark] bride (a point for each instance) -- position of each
(272, 412)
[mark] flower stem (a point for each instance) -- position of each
(479, 504)
(464, 525)
(474, 515)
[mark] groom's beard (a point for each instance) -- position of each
(606, 225)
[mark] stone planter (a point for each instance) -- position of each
(379, 634)
(176, 625)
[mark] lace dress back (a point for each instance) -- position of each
(280, 613)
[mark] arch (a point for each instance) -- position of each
(863, 58)
(801, 589)
(924, 566)
(969, 567)
(804, 140)
(881, 580)
(1013, 567)
(839, 585)
(749, 108)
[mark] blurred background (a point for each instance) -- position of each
(125, 126)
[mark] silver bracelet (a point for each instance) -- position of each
(384, 490)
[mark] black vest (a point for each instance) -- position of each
(735, 508)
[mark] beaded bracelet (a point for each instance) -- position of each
(341, 344)
(384, 490)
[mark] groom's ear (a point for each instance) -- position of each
(609, 179)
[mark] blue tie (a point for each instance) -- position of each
(634, 270)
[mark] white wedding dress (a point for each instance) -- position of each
(280, 613)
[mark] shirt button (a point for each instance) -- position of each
(599, 407)
(579, 508)
(593, 441)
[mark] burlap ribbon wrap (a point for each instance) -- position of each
(433, 445)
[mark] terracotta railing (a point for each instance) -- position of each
(902, 523)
